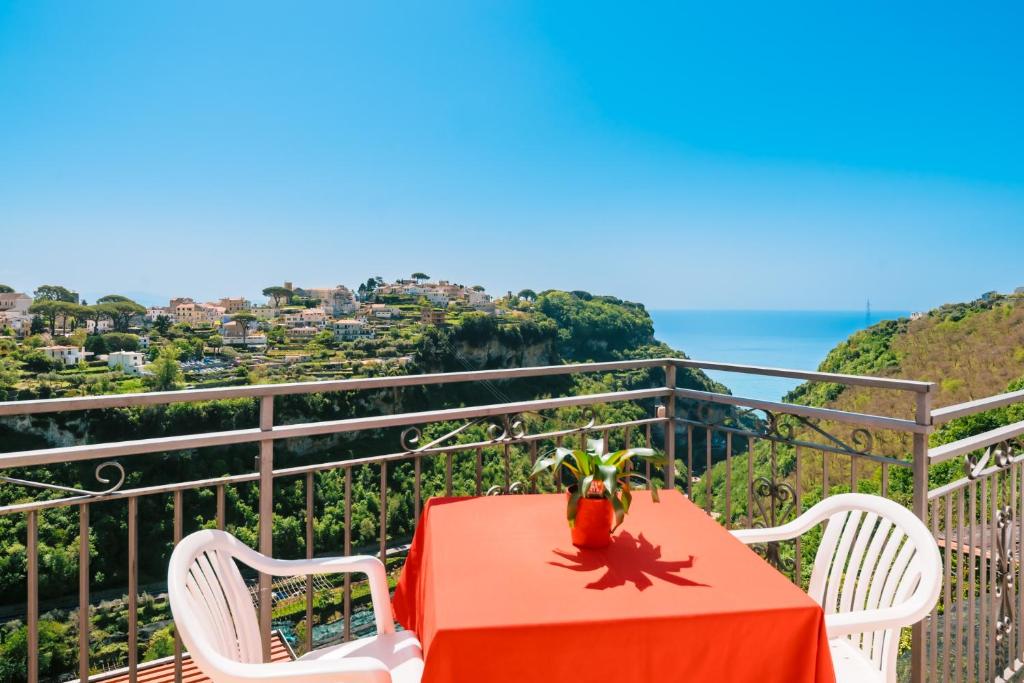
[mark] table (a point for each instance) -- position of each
(497, 592)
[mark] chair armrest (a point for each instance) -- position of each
(356, 564)
(797, 527)
(350, 669)
(864, 621)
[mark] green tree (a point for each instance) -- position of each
(166, 373)
(9, 373)
(215, 341)
(55, 293)
(527, 294)
(244, 319)
(47, 310)
(121, 310)
(120, 341)
(162, 324)
(419, 277)
(278, 294)
(6, 289)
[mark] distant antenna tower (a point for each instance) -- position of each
(867, 314)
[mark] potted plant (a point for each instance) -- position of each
(600, 498)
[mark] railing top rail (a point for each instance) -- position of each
(850, 380)
(942, 415)
(860, 419)
(976, 442)
(116, 449)
(55, 405)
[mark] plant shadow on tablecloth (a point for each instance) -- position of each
(628, 559)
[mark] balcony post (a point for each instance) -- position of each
(266, 518)
(923, 416)
(670, 427)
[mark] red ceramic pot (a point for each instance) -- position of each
(593, 527)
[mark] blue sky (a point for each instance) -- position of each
(697, 155)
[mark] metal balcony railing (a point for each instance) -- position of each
(749, 462)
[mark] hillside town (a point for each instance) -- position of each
(54, 343)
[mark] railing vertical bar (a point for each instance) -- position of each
(83, 592)
(133, 589)
(647, 444)
(533, 461)
(922, 417)
(448, 473)
(627, 437)
(982, 580)
(309, 555)
(384, 513)
(961, 616)
(506, 457)
(417, 501)
(1019, 584)
(221, 508)
(750, 482)
(972, 514)
(558, 473)
(798, 575)
(853, 474)
(32, 618)
(689, 461)
(728, 479)
(992, 567)
(933, 618)
(885, 480)
(947, 594)
(479, 470)
(347, 602)
(826, 485)
(178, 534)
(670, 427)
(708, 499)
(266, 520)
(1010, 638)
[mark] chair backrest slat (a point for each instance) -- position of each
(869, 558)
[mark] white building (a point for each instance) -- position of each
(337, 300)
(68, 355)
(231, 332)
(15, 302)
(349, 329)
(385, 311)
(130, 362)
(106, 325)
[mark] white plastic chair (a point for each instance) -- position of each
(215, 617)
(877, 570)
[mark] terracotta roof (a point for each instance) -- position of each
(162, 670)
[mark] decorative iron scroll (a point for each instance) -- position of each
(1004, 571)
(81, 492)
(500, 429)
(765, 424)
(517, 487)
(775, 502)
(1001, 454)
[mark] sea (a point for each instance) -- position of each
(797, 340)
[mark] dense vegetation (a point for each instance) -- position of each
(553, 327)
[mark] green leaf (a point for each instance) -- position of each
(596, 446)
(584, 485)
(609, 475)
(627, 497)
(572, 508)
(620, 512)
(541, 465)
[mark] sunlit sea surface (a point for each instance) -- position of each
(788, 339)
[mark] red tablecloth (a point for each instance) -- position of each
(497, 592)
